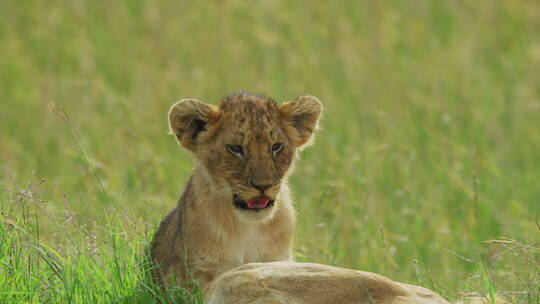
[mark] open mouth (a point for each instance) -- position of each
(255, 204)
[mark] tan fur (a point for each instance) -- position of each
(207, 234)
(307, 283)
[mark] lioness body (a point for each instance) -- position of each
(308, 283)
(236, 207)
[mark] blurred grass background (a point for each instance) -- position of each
(430, 142)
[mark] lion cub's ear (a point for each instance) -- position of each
(188, 118)
(301, 117)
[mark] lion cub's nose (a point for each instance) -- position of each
(260, 187)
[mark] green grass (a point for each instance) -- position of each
(430, 142)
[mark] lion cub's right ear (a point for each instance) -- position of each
(188, 118)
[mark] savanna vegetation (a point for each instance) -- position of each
(426, 169)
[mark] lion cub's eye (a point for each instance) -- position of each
(276, 148)
(236, 150)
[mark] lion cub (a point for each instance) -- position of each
(236, 207)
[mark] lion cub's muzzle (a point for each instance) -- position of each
(254, 204)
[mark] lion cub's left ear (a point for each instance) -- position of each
(301, 117)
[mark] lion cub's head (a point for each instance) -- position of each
(246, 145)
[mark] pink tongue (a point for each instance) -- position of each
(259, 202)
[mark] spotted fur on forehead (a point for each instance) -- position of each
(257, 114)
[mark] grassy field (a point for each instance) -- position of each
(429, 147)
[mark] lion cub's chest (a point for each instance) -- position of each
(250, 245)
(243, 248)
